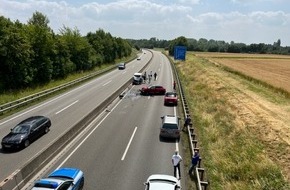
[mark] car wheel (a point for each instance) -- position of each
(26, 143)
(46, 130)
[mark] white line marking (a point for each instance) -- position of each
(46, 103)
(66, 107)
(75, 149)
(124, 155)
(107, 83)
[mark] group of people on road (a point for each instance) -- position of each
(177, 159)
(150, 75)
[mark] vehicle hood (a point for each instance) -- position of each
(12, 137)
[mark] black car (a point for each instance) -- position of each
(121, 66)
(26, 132)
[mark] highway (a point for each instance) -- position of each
(121, 148)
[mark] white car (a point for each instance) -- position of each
(137, 78)
(162, 181)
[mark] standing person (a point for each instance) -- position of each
(186, 122)
(176, 159)
(174, 85)
(194, 161)
(155, 76)
(144, 77)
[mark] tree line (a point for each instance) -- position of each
(32, 54)
(204, 45)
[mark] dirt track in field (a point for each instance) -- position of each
(268, 121)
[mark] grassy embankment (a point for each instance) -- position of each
(233, 155)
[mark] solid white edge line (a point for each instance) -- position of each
(28, 184)
(124, 155)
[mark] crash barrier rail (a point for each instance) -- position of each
(20, 177)
(28, 99)
(202, 184)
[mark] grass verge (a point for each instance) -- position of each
(233, 156)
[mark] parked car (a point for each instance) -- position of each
(26, 132)
(62, 179)
(170, 98)
(137, 78)
(153, 90)
(170, 127)
(139, 58)
(121, 66)
(162, 181)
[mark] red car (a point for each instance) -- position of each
(170, 98)
(153, 90)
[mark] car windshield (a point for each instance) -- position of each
(21, 129)
(162, 181)
(169, 126)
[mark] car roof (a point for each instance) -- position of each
(170, 119)
(137, 73)
(32, 119)
(65, 172)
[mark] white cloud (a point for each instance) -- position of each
(145, 19)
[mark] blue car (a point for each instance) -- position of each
(62, 179)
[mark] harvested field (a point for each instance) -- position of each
(272, 69)
(244, 128)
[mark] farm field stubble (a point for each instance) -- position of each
(244, 134)
(272, 69)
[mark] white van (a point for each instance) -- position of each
(137, 78)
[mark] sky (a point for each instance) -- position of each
(240, 21)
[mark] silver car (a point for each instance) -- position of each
(162, 181)
(170, 127)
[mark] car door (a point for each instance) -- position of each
(152, 90)
(33, 133)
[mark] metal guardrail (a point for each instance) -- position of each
(22, 175)
(202, 184)
(28, 99)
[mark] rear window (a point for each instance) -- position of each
(169, 126)
(171, 95)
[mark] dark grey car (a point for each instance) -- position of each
(26, 132)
